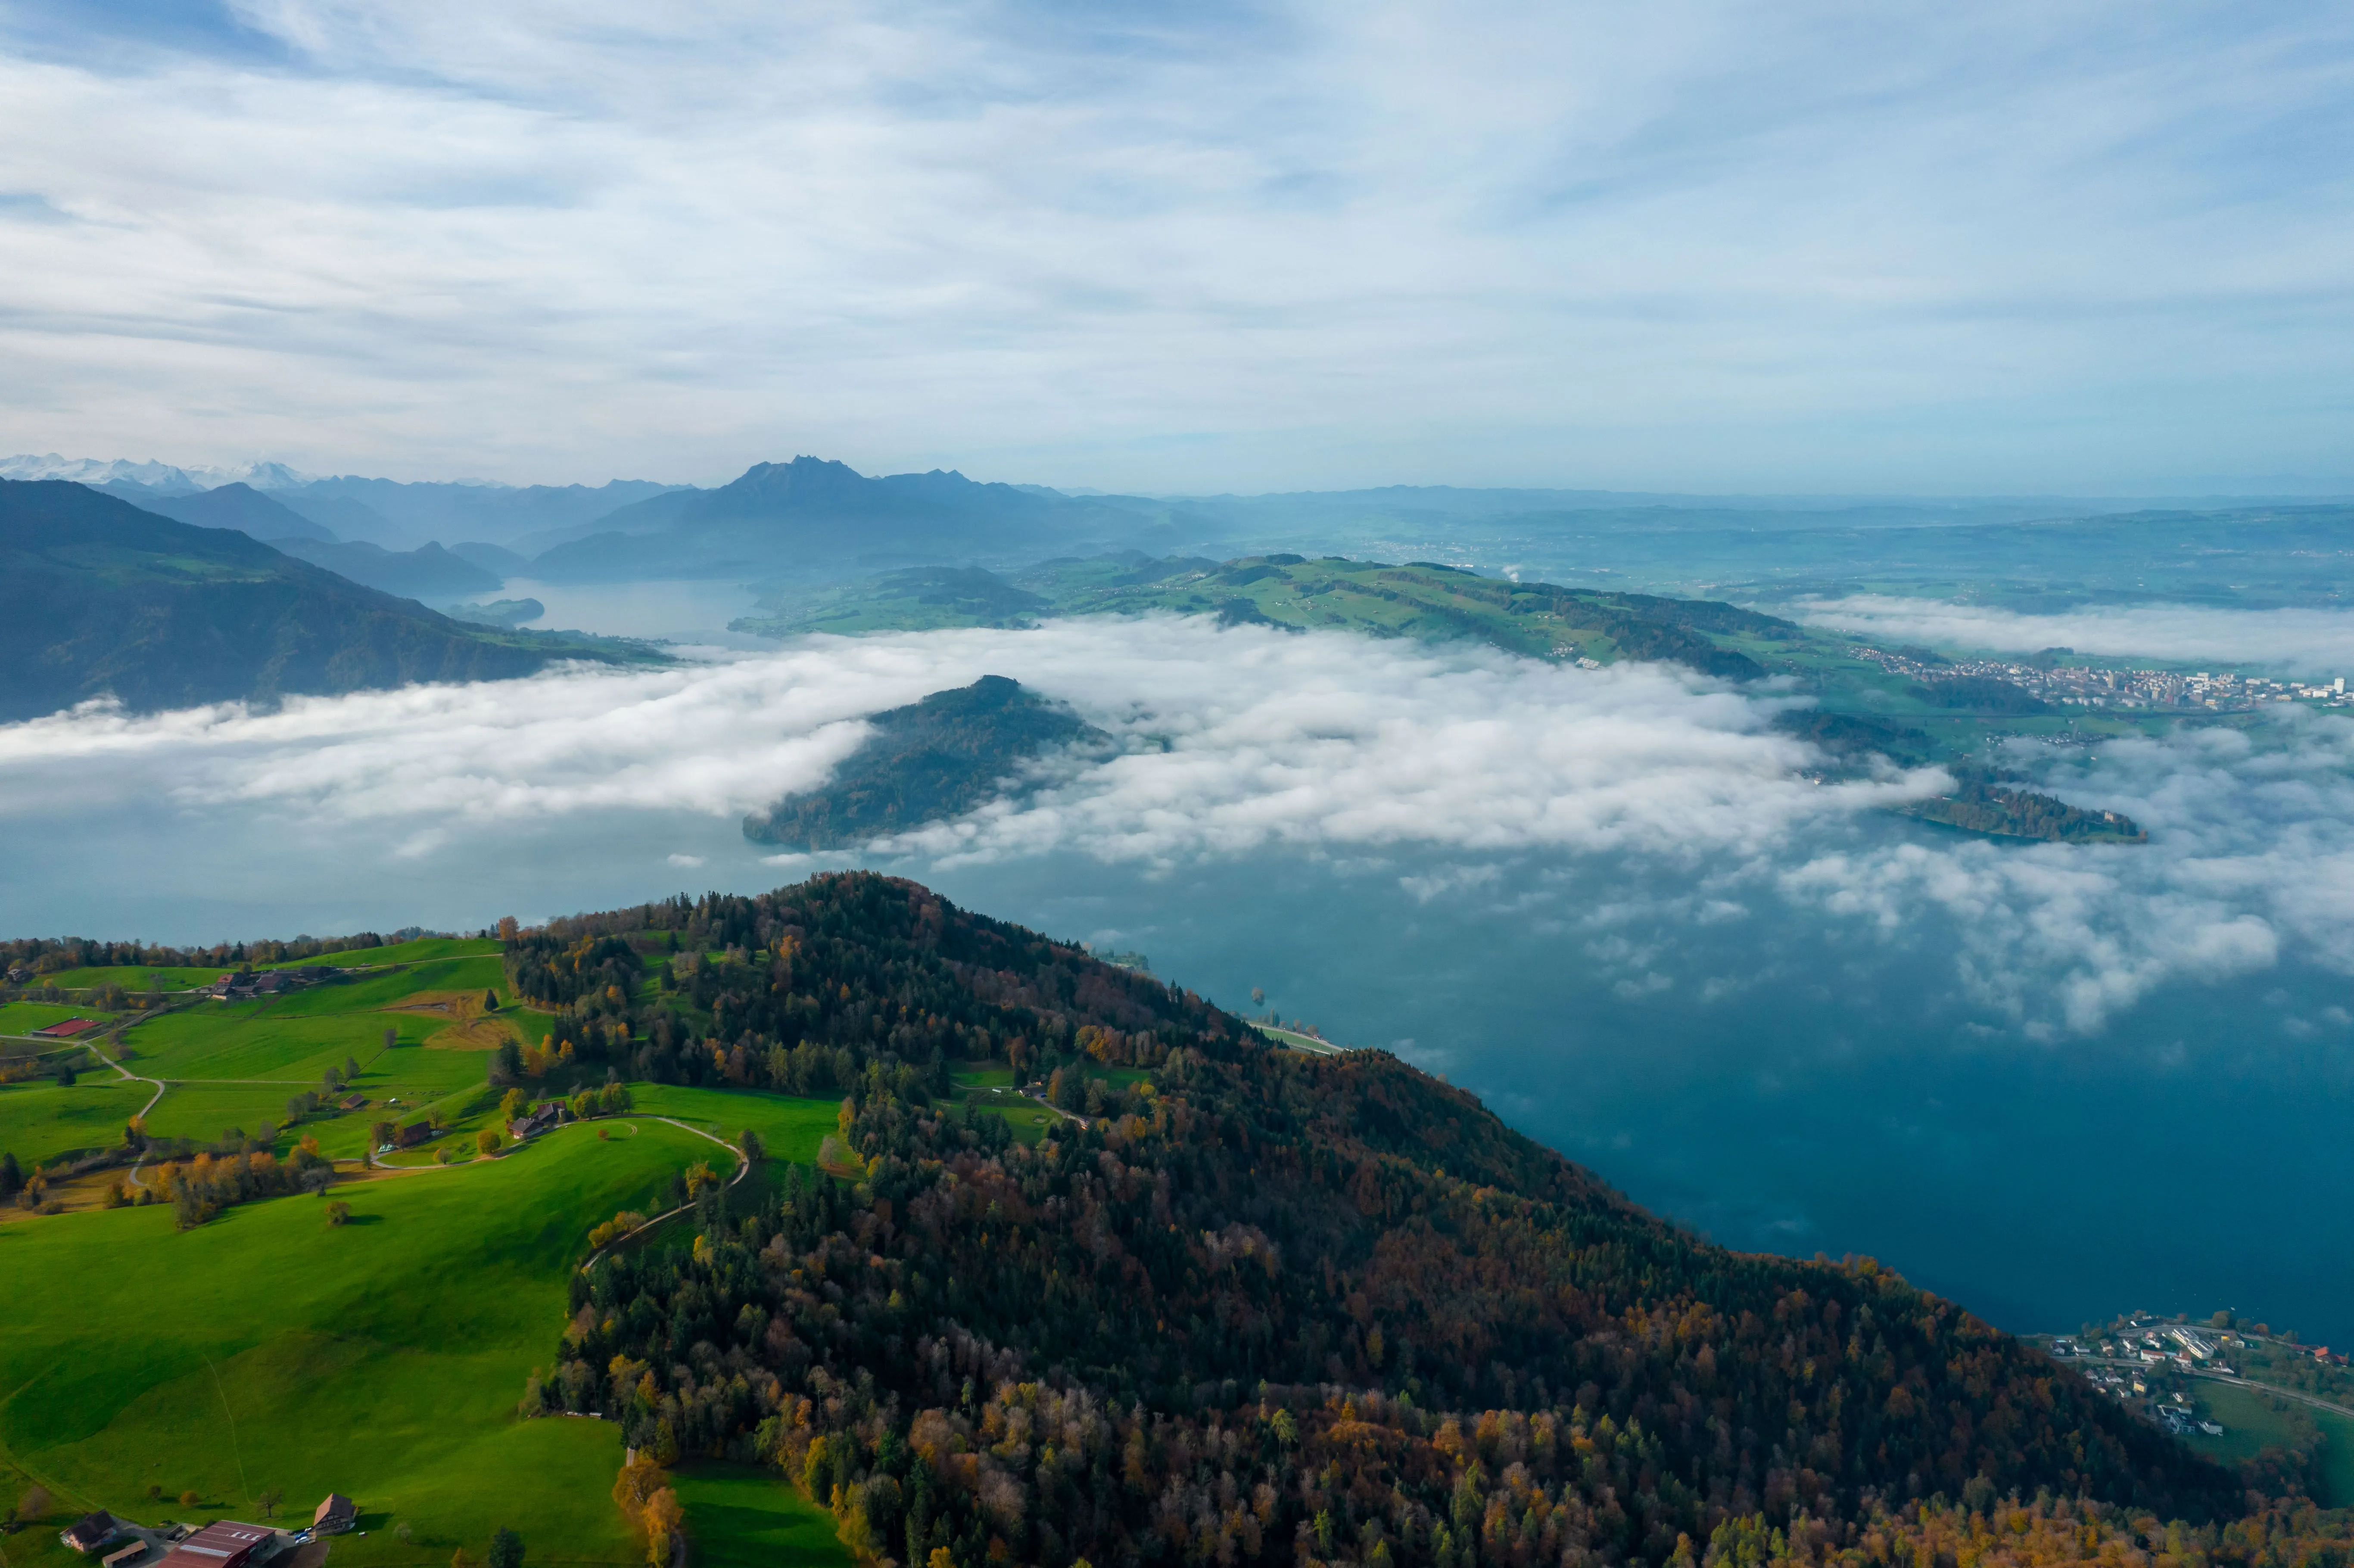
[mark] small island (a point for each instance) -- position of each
(1982, 806)
(928, 761)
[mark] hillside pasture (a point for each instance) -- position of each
(790, 1129)
(19, 1018)
(381, 1359)
(2252, 1423)
(137, 978)
(742, 1518)
(418, 952)
(40, 1122)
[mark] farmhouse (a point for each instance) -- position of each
(334, 1515)
(537, 1121)
(90, 1532)
(414, 1133)
(223, 1544)
(68, 1029)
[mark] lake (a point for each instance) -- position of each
(2051, 1082)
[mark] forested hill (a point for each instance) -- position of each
(928, 760)
(99, 597)
(1245, 1305)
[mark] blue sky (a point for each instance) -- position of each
(1993, 249)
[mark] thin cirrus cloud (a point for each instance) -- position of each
(1185, 248)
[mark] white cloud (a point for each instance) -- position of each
(2310, 641)
(1671, 834)
(2252, 856)
(1307, 242)
(1235, 740)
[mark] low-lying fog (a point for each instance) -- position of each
(2051, 1080)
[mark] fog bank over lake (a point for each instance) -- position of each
(2050, 1080)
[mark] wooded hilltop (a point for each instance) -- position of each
(1255, 1307)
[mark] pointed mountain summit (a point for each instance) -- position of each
(817, 512)
(237, 506)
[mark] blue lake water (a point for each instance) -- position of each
(2189, 1158)
(2051, 1082)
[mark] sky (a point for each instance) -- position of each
(1215, 246)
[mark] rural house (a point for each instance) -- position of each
(536, 1121)
(90, 1532)
(335, 1516)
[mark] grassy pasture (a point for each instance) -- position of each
(1297, 1041)
(138, 978)
(24, 1017)
(381, 1359)
(259, 1040)
(791, 1129)
(2251, 1425)
(741, 1518)
(40, 1122)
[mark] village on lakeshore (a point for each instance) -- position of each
(2047, 680)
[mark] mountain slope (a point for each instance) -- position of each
(782, 517)
(237, 506)
(99, 597)
(427, 572)
(411, 513)
(1239, 1305)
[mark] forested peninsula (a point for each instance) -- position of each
(1246, 1306)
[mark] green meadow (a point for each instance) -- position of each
(137, 978)
(2253, 1420)
(739, 1518)
(790, 1129)
(40, 1121)
(422, 948)
(24, 1017)
(268, 1351)
(381, 1359)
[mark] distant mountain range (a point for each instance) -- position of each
(236, 505)
(161, 477)
(99, 597)
(809, 521)
(810, 513)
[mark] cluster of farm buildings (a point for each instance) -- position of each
(224, 1543)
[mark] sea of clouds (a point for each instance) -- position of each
(1670, 798)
